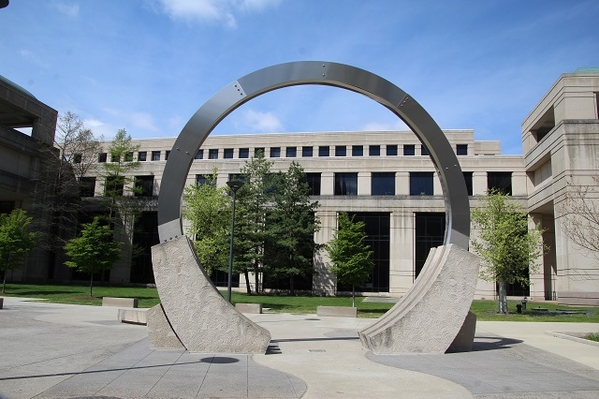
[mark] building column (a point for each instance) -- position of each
(402, 183)
(364, 183)
(324, 281)
(401, 257)
(327, 183)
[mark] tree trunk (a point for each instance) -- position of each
(501, 291)
(353, 295)
(291, 286)
(91, 284)
(248, 288)
(4, 283)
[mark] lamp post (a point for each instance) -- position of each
(233, 185)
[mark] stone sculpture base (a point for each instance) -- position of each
(195, 312)
(429, 317)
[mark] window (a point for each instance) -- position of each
(382, 183)
(87, 186)
(142, 155)
(313, 180)
(461, 149)
(391, 149)
(374, 150)
(275, 152)
(213, 153)
(357, 150)
(468, 180)
(144, 186)
(259, 152)
(102, 157)
(155, 155)
(346, 184)
(115, 157)
(307, 152)
(424, 150)
(421, 183)
(166, 155)
(323, 151)
(199, 154)
(340, 151)
(244, 153)
(128, 157)
(409, 149)
(228, 154)
(114, 186)
(291, 152)
(205, 179)
(77, 158)
(500, 181)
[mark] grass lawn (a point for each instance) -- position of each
(148, 297)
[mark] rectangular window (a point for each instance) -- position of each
(374, 150)
(144, 186)
(340, 151)
(357, 150)
(313, 180)
(213, 153)
(155, 155)
(291, 152)
(244, 153)
(128, 157)
(307, 152)
(409, 149)
(424, 150)
(199, 154)
(383, 183)
(259, 152)
(87, 186)
(228, 154)
(500, 181)
(142, 155)
(421, 183)
(275, 152)
(166, 155)
(114, 186)
(468, 180)
(323, 151)
(205, 179)
(77, 158)
(114, 157)
(391, 149)
(461, 149)
(346, 184)
(102, 157)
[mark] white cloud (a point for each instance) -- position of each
(71, 10)
(143, 120)
(263, 122)
(214, 11)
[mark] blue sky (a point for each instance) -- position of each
(147, 66)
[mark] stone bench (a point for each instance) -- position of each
(133, 316)
(337, 311)
(250, 308)
(120, 302)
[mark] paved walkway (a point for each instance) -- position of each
(70, 351)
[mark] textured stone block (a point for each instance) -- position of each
(198, 314)
(132, 316)
(465, 339)
(336, 311)
(160, 333)
(428, 318)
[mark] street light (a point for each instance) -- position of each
(233, 185)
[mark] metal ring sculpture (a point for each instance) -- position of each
(314, 73)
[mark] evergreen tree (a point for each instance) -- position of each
(94, 251)
(291, 225)
(507, 247)
(15, 241)
(350, 257)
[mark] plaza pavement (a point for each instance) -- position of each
(71, 351)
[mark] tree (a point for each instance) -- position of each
(291, 225)
(94, 251)
(507, 246)
(350, 257)
(580, 216)
(208, 210)
(253, 200)
(15, 241)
